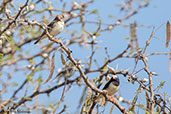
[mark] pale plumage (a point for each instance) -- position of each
(54, 28)
(67, 71)
(112, 85)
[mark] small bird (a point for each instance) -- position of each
(67, 71)
(112, 85)
(54, 28)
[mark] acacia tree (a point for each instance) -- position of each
(27, 69)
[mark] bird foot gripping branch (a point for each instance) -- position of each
(57, 40)
(112, 98)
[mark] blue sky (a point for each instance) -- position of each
(156, 14)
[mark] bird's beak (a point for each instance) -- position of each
(114, 76)
(60, 17)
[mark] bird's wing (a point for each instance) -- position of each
(107, 85)
(50, 25)
(116, 82)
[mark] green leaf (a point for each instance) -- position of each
(111, 109)
(37, 12)
(18, 49)
(98, 34)
(88, 103)
(111, 16)
(131, 52)
(1, 61)
(21, 33)
(139, 91)
(165, 94)
(52, 67)
(83, 29)
(96, 80)
(139, 49)
(28, 98)
(89, 94)
(147, 112)
(98, 47)
(74, 33)
(8, 38)
(62, 59)
(8, 57)
(50, 7)
(31, 3)
(39, 80)
(32, 61)
(105, 68)
(102, 100)
(88, 63)
(33, 33)
(158, 110)
(29, 78)
(147, 99)
(157, 113)
(1, 56)
(64, 6)
(161, 83)
(126, 38)
(14, 84)
(146, 0)
(52, 106)
(39, 68)
(82, 109)
(94, 11)
(27, 29)
(142, 106)
(49, 86)
(133, 103)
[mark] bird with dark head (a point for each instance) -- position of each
(111, 88)
(54, 28)
(112, 85)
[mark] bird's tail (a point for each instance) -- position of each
(58, 76)
(38, 39)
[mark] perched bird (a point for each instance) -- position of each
(67, 71)
(112, 85)
(54, 28)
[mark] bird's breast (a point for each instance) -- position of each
(58, 27)
(112, 89)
